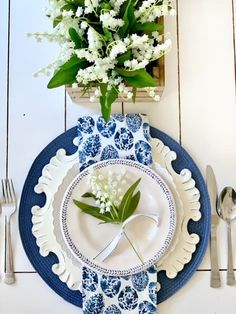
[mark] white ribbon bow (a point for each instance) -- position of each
(113, 244)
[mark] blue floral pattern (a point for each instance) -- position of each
(130, 157)
(86, 124)
(112, 309)
(134, 122)
(90, 279)
(143, 152)
(152, 288)
(86, 164)
(80, 137)
(146, 131)
(118, 117)
(107, 129)
(124, 136)
(140, 280)
(109, 152)
(91, 147)
(128, 298)
(110, 285)
(82, 157)
(94, 305)
(147, 308)
(152, 269)
(124, 139)
(136, 293)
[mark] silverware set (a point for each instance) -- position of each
(8, 206)
(224, 207)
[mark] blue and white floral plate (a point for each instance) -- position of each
(86, 237)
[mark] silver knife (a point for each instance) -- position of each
(212, 189)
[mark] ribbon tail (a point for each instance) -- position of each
(113, 244)
(109, 248)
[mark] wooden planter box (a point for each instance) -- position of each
(141, 96)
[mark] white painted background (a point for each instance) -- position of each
(198, 109)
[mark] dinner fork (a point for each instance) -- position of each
(8, 208)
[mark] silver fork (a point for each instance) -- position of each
(8, 208)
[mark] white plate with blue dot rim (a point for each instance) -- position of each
(86, 237)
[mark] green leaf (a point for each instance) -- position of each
(103, 89)
(67, 72)
(141, 79)
(128, 18)
(125, 56)
(149, 26)
(75, 2)
(69, 7)
(93, 211)
(57, 20)
(126, 200)
(106, 100)
(75, 37)
(105, 6)
(126, 73)
(84, 206)
(138, 78)
(74, 60)
(89, 194)
(63, 77)
(133, 205)
(107, 33)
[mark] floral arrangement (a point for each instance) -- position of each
(110, 44)
(111, 205)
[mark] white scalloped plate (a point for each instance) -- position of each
(46, 222)
(86, 236)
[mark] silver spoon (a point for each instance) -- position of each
(226, 209)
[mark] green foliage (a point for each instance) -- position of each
(138, 78)
(128, 18)
(94, 211)
(126, 208)
(108, 36)
(124, 57)
(57, 20)
(67, 72)
(141, 79)
(106, 100)
(75, 37)
(75, 2)
(69, 7)
(149, 27)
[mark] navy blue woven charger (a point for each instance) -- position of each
(43, 264)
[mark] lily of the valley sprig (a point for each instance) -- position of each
(111, 204)
(108, 44)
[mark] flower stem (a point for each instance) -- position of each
(136, 252)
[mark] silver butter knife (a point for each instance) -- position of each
(212, 189)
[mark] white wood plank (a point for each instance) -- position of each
(36, 114)
(234, 15)
(3, 98)
(32, 295)
(234, 35)
(197, 297)
(208, 89)
(165, 114)
(73, 110)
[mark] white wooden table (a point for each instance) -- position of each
(198, 109)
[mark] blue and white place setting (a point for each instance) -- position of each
(112, 225)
